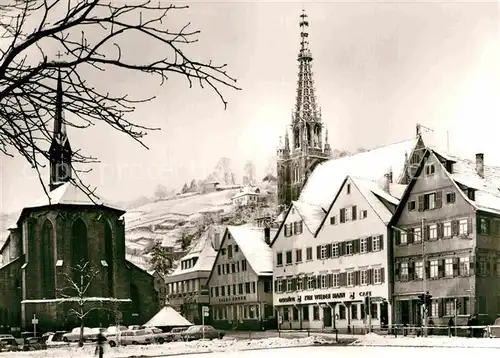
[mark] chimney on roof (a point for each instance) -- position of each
(267, 235)
(480, 164)
(387, 182)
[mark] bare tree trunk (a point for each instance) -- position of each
(80, 341)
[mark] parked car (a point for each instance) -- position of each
(200, 332)
(176, 334)
(89, 334)
(9, 345)
(34, 344)
(112, 334)
(137, 336)
(10, 336)
(492, 331)
(56, 340)
(158, 335)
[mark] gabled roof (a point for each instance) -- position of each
(205, 253)
(251, 242)
(372, 193)
(325, 180)
(487, 193)
(312, 215)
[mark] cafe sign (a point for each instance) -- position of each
(322, 297)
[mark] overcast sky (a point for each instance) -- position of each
(379, 68)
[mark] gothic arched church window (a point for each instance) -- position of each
(47, 263)
(79, 246)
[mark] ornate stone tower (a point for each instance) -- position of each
(60, 150)
(296, 162)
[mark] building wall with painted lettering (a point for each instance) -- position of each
(326, 282)
(239, 298)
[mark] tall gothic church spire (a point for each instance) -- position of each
(60, 150)
(306, 149)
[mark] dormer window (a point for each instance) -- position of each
(449, 166)
(471, 194)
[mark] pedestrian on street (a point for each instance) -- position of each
(99, 349)
(450, 325)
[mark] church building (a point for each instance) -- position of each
(296, 161)
(63, 229)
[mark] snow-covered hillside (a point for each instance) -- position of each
(166, 221)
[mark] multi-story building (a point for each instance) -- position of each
(323, 281)
(296, 162)
(187, 285)
(446, 242)
(241, 280)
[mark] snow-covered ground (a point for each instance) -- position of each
(175, 348)
(435, 341)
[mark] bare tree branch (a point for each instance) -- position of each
(93, 36)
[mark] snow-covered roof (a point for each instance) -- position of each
(312, 215)
(246, 191)
(205, 253)
(371, 192)
(168, 317)
(69, 194)
(251, 242)
(487, 196)
(326, 179)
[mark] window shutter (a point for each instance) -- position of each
(300, 227)
(440, 307)
(356, 278)
(455, 266)
(356, 245)
(329, 280)
(381, 240)
(343, 276)
(397, 237)
(354, 212)
(427, 272)
(411, 271)
(454, 228)
(410, 236)
(441, 268)
(440, 230)
(294, 284)
(469, 226)
(382, 275)
(439, 199)
(318, 252)
(342, 215)
(426, 233)
(341, 248)
(318, 281)
(369, 276)
(396, 271)
(275, 285)
(328, 251)
(420, 203)
(472, 265)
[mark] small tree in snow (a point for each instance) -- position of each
(78, 285)
(161, 260)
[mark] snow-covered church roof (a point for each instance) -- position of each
(326, 179)
(67, 194)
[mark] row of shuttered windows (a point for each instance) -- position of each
(331, 280)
